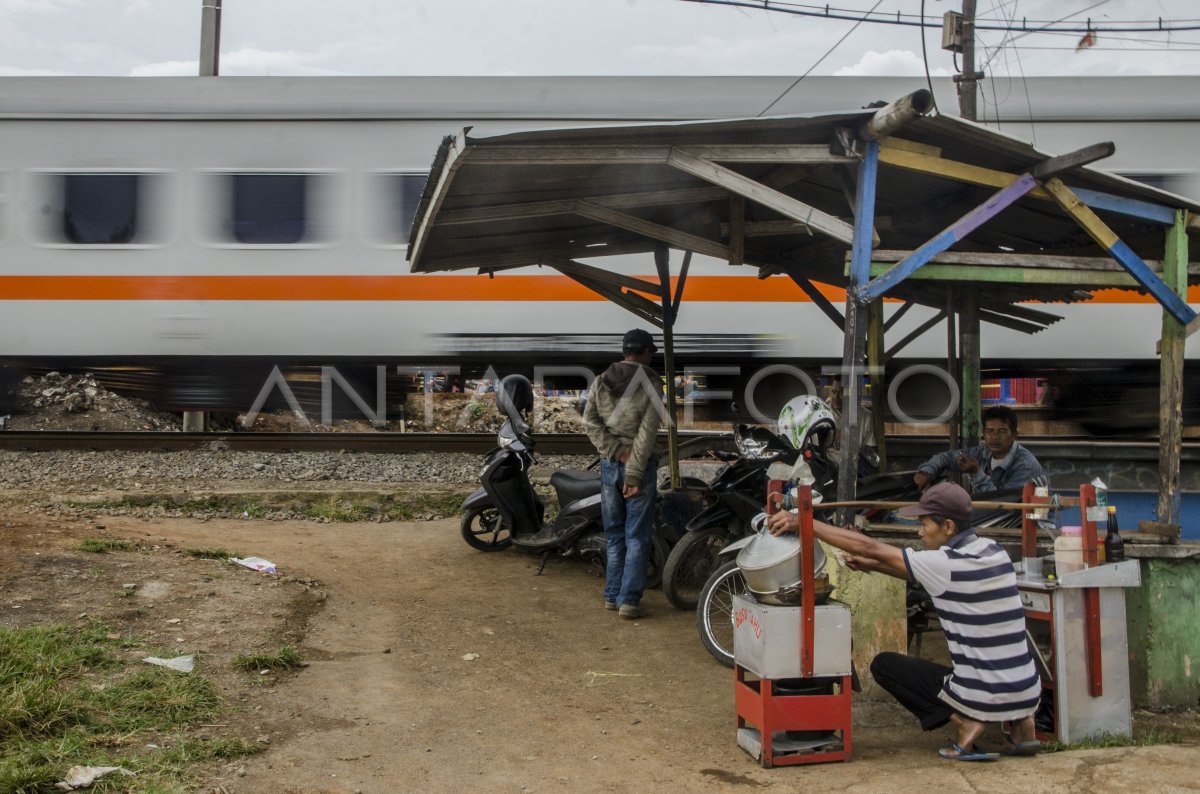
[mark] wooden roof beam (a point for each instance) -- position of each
(905, 157)
(624, 154)
(514, 259)
(631, 301)
(952, 234)
(1099, 231)
(782, 203)
(814, 294)
(655, 231)
(617, 280)
(538, 209)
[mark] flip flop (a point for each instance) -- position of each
(956, 753)
(1031, 747)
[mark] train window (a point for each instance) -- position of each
(269, 209)
(100, 209)
(395, 200)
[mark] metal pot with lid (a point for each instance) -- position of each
(770, 564)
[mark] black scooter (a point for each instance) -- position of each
(506, 510)
(736, 494)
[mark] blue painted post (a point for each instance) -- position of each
(855, 342)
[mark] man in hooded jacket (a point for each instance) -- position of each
(623, 413)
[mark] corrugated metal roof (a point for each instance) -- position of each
(530, 197)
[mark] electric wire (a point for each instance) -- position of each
(828, 52)
(925, 58)
(851, 15)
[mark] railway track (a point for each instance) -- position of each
(1078, 448)
(395, 443)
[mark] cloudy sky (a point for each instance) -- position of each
(569, 37)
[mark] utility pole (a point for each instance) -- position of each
(210, 37)
(210, 56)
(968, 78)
(970, 422)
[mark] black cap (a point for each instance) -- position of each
(636, 341)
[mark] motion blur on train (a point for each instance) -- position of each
(181, 238)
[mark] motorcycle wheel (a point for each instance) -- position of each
(483, 529)
(656, 561)
(714, 616)
(690, 564)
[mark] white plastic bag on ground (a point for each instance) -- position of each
(84, 776)
(183, 664)
(255, 564)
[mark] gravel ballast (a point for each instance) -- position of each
(82, 472)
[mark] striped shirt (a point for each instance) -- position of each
(974, 590)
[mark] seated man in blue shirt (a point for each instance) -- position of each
(998, 464)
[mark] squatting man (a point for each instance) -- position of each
(974, 590)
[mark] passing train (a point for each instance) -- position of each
(209, 229)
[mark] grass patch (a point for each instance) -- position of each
(334, 508)
(67, 698)
(1105, 741)
(104, 545)
(337, 510)
(199, 506)
(419, 505)
(211, 554)
(286, 658)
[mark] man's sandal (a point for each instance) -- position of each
(956, 753)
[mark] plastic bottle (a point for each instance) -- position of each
(1114, 546)
(1068, 550)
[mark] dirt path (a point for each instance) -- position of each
(563, 696)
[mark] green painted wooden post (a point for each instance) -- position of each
(1170, 417)
(968, 334)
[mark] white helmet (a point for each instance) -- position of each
(806, 421)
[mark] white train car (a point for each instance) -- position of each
(193, 223)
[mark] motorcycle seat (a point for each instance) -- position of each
(572, 484)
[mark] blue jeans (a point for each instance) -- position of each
(627, 527)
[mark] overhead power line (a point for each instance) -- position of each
(1158, 25)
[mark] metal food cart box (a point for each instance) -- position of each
(766, 639)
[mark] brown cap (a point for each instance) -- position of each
(944, 499)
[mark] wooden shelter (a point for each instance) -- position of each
(898, 201)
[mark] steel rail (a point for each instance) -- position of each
(1080, 448)
(394, 443)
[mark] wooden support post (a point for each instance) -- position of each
(737, 229)
(914, 334)
(875, 362)
(1170, 417)
(662, 260)
(968, 335)
(854, 346)
(952, 427)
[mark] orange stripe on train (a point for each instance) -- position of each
(417, 287)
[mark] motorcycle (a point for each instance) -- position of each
(714, 612)
(506, 510)
(736, 495)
